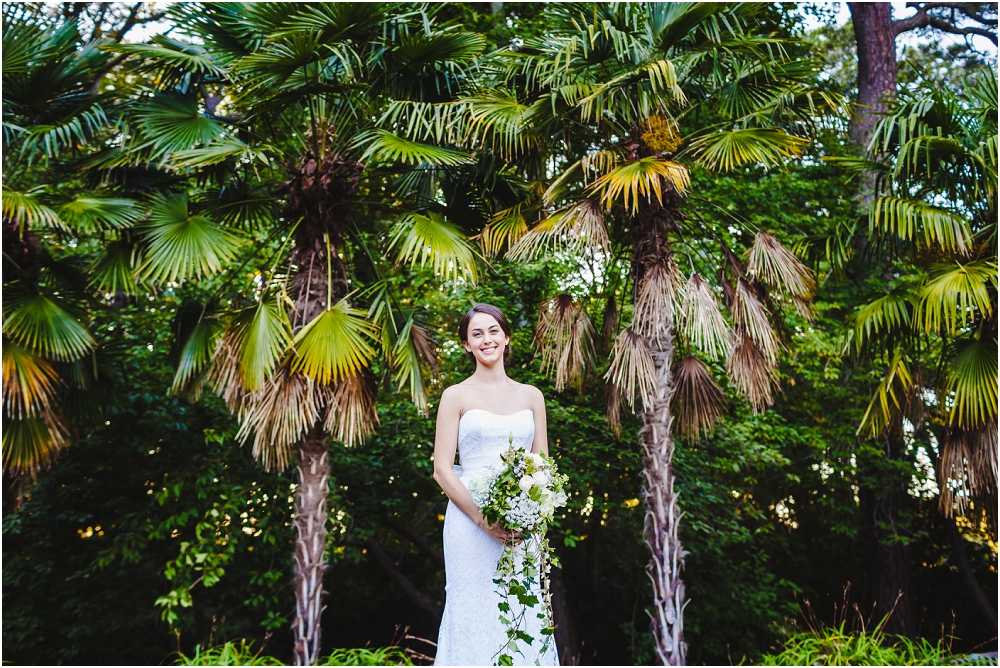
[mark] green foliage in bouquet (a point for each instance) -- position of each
(522, 495)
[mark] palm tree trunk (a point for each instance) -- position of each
(310, 544)
(662, 515)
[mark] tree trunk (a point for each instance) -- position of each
(890, 585)
(565, 631)
(876, 66)
(965, 568)
(663, 516)
(310, 544)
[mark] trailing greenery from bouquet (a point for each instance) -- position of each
(522, 495)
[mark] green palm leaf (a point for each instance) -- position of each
(973, 379)
(89, 214)
(908, 218)
(413, 347)
(29, 382)
(885, 314)
(334, 345)
(387, 147)
(26, 210)
(951, 293)
(197, 352)
(174, 54)
(421, 239)
(115, 268)
(725, 150)
(46, 328)
(171, 123)
(643, 177)
(183, 245)
(31, 444)
(261, 336)
(218, 151)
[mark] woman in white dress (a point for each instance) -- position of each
(477, 418)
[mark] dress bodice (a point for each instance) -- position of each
(483, 436)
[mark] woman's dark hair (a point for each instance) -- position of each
(488, 309)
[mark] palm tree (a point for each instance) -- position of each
(56, 373)
(932, 327)
(602, 118)
(266, 122)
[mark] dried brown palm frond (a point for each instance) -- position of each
(751, 371)
(751, 316)
(278, 415)
(614, 407)
(804, 307)
(702, 321)
(968, 467)
(777, 266)
(659, 296)
(224, 371)
(574, 229)
(632, 369)
(351, 415)
(698, 400)
(564, 338)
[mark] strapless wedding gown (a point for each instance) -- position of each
(471, 631)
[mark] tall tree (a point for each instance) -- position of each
(875, 32)
(260, 89)
(594, 116)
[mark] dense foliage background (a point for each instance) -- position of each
(155, 530)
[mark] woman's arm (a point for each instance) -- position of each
(445, 446)
(541, 441)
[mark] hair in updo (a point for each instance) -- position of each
(488, 309)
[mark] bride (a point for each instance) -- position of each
(477, 417)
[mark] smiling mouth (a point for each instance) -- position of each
(488, 350)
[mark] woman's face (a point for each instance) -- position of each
(486, 339)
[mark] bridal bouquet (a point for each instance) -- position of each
(522, 493)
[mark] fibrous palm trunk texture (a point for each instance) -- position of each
(317, 204)
(652, 252)
(310, 527)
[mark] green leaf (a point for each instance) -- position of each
(420, 239)
(173, 53)
(922, 222)
(334, 344)
(89, 214)
(889, 312)
(218, 151)
(390, 148)
(115, 267)
(951, 293)
(30, 444)
(725, 150)
(643, 177)
(197, 352)
(26, 210)
(46, 328)
(262, 334)
(972, 376)
(171, 123)
(183, 245)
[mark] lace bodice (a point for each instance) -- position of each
(483, 435)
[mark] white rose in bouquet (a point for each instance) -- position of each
(526, 483)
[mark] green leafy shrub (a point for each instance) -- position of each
(243, 654)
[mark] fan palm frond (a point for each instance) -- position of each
(259, 337)
(891, 312)
(698, 401)
(421, 239)
(174, 57)
(952, 293)
(26, 211)
(660, 294)
(774, 264)
(89, 214)
(29, 383)
(728, 149)
(564, 338)
(504, 229)
(334, 345)
(702, 321)
(752, 317)
(114, 268)
(387, 147)
(195, 355)
(414, 347)
(575, 229)
(891, 396)
(912, 220)
(278, 414)
(182, 245)
(643, 177)
(632, 369)
(171, 123)
(967, 470)
(46, 328)
(31, 444)
(751, 370)
(973, 379)
(220, 150)
(352, 416)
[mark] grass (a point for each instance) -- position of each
(243, 654)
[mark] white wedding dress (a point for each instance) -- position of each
(471, 631)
